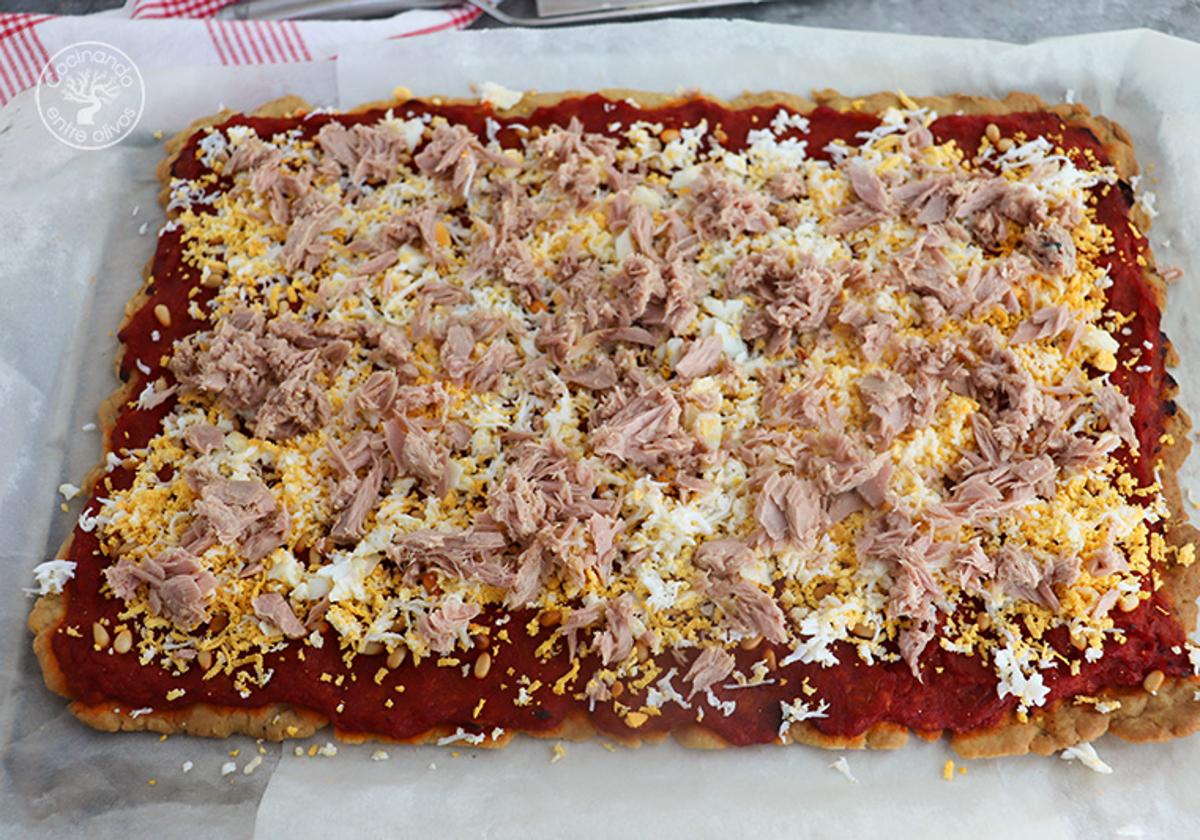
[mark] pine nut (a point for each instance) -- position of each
(99, 634)
(372, 649)
(396, 657)
(550, 618)
(769, 656)
(618, 688)
(204, 659)
(1005, 144)
(429, 581)
(482, 665)
(750, 643)
(124, 642)
(993, 132)
(1129, 603)
(669, 135)
(862, 630)
(162, 314)
(1154, 681)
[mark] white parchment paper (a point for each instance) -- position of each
(71, 254)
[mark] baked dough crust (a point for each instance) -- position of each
(1143, 716)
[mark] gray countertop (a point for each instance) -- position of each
(1008, 20)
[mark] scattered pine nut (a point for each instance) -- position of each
(482, 665)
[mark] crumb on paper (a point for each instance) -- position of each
(228, 768)
(560, 752)
(380, 755)
(329, 750)
(843, 767)
(948, 770)
(187, 766)
(68, 490)
(1086, 755)
(498, 96)
(252, 765)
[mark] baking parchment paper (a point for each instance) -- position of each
(70, 256)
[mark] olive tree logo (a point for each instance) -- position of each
(90, 95)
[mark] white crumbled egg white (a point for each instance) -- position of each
(51, 575)
(498, 96)
(843, 767)
(1086, 755)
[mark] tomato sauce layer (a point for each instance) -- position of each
(958, 692)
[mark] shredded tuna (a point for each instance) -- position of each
(789, 509)
(598, 376)
(723, 208)
(348, 527)
(274, 609)
(252, 153)
(377, 395)
(446, 626)
(868, 186)
(178, 588)
(887, 397)
(750, 610)
(1052, 249)
(1047, 322)
(454, 153)
(644, 431)
(1024, 577)
(243, 513)
(928, 201)
(794, 295)
(725, 558)
(497, 360)
(615, 641)
(701, 358)
(456, 352)
(416, 453)
(709, 668)
(366, 152)
(266, 374)
(307, 243)
(1118, 411)
(203, 438)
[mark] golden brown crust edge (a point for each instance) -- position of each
(1170, 712)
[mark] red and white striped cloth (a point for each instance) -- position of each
(164, 33)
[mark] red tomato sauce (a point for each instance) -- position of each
(958, 692)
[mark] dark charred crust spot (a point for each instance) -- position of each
(1170, 408)
(1126, 190)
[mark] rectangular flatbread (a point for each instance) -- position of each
(776, 420)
